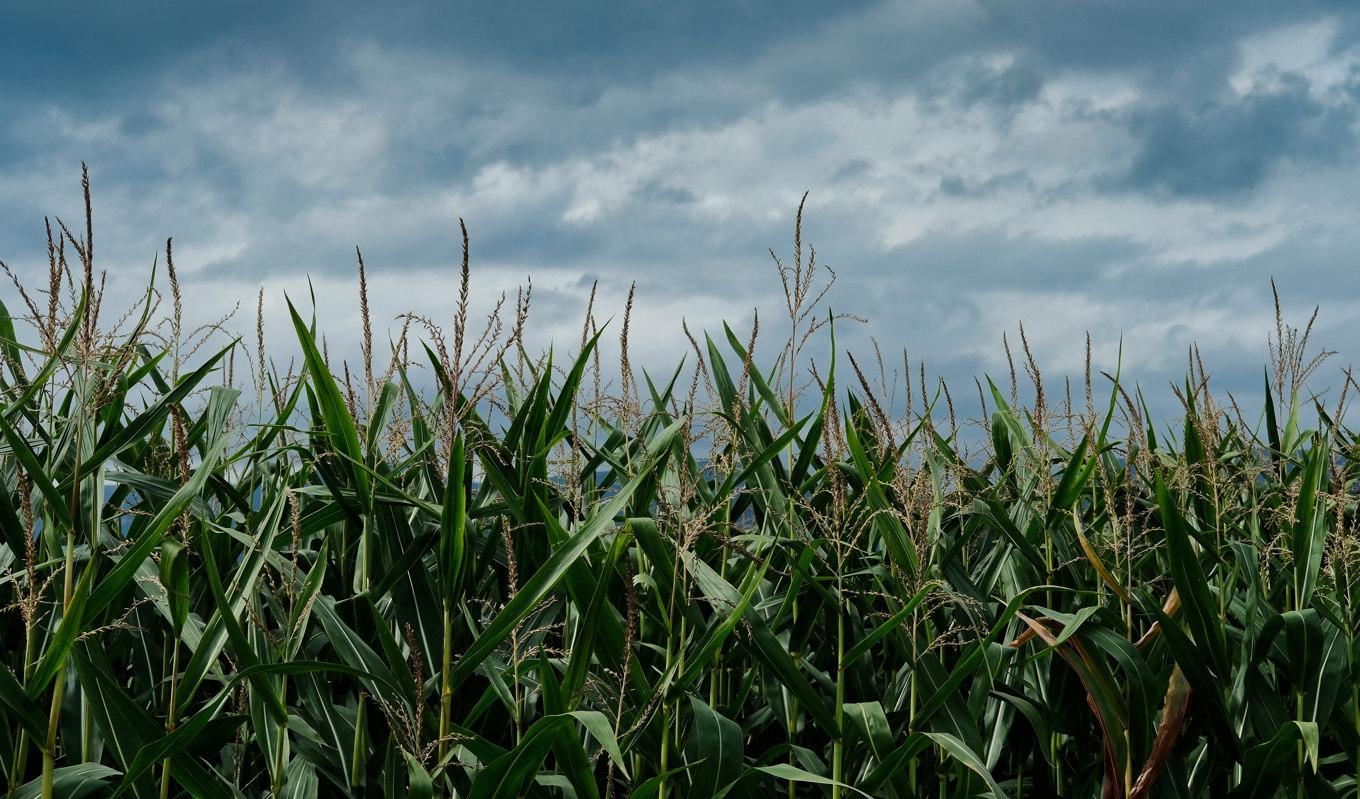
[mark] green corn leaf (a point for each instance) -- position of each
(72, 782)
(20, 404)
(174, 573)
(219, 404)
(1200, 611)
(552, 571)
(453, 543)
(1267, 764)
(713, 750)
(23, 709)
(507, 775)
(335, 416)
(960, 751)
(68, 631)
(1309, 539)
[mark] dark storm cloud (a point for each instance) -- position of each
(971, 163)
(87, 50)
(1156, 37)
(1228, 148)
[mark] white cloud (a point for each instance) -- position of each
(1303, 49)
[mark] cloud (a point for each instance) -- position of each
(1135, 168)
(1230, 148)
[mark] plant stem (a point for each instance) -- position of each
(170, 717)
(281, 747)
(838, 746)
(21, 745)
(664, 787)
(49, 751)
(911, 709)
(445, 687)
(54, 714)
(356, 768)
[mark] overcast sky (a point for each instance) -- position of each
(1137, 169)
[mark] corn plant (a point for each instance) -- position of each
(474, 571)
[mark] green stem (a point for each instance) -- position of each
(838, 746)
(518, 692)
(1299, 709)
(1355, 690)
(666, 720)
(170, 717)
(445, 687)
(281, 746)
(50, 750)
(911, 711)
(1298, 714)
(16, 773)
(54, 714)
(715, 679)
(664, 788)
(793, 703)
(16, 770)
(356, 768)
(1355, 719)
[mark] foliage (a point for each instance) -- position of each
(724, 583)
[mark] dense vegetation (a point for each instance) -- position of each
(461, 569)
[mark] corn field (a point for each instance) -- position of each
(461, 568)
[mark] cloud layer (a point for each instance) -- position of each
(1132, 169)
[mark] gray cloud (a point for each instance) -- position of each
(1228, 148)
(1125, 167)
(955, 186)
